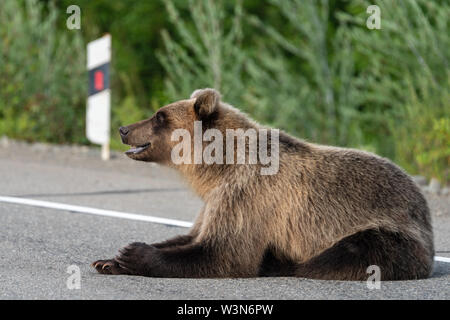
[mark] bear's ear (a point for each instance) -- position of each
(206, 101)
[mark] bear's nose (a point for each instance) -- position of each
(124, 131)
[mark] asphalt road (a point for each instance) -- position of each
(37, 245)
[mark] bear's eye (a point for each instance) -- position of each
(160, 117)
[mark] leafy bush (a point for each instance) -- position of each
(310, 67)
(406, 74)
(206, 54)
(421, 131)
(324, 76)
(303, 80)
(42, 75)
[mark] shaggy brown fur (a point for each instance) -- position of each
(329, 213)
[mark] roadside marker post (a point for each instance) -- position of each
(98, 111)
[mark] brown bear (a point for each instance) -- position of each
(327, 213)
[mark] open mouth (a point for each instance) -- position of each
(138, 149)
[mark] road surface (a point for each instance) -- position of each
(38, 245)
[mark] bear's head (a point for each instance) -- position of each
(150, 139)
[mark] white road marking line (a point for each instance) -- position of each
(442, 259)
(115, 214)
(99, 212)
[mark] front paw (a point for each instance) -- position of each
(136, 258)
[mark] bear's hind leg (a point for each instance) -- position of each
(398, 258)
(272, 266)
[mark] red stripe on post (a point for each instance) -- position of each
(99, 84)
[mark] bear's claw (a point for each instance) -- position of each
(109, 267)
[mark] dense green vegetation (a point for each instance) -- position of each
(310, 67)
